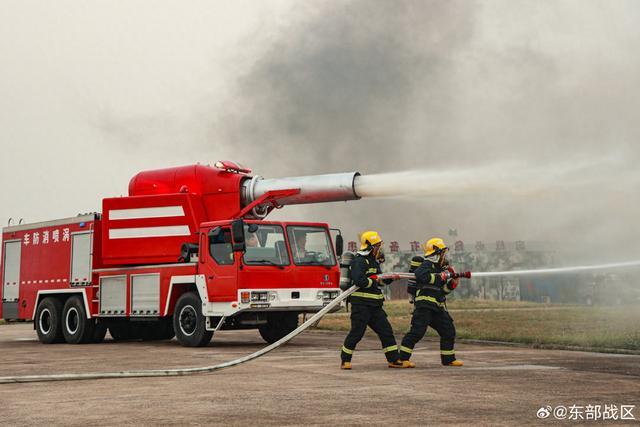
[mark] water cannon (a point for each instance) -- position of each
(326, 188)
(228, 190)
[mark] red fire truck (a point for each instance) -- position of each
(188, 252)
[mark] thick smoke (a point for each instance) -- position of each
(521, 120)
(336, 91)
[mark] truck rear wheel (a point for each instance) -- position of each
(48, 321)
(188, 322)
(278, 326)
(76, 328)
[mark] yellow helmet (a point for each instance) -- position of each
(434, 245)
(369, 238)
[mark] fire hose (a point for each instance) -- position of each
(312, 320)
(183, 371)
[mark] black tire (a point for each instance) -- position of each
(278, 326)
(120, 331)
(48, 321)
(76, 328)
(188, 322)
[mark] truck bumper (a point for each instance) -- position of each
(301, 300)
(306, 300)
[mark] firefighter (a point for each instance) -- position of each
(300, 247)
(435, 279)
(366, 303)
(252, 240)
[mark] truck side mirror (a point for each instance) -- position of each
(339, 245)
(187, 251)
(237, 232)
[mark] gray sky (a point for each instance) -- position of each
(92, 92)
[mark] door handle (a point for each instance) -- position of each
(210, 277)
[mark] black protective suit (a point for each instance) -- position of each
(431, 290)
(366, 309)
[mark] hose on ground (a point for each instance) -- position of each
(182, 371)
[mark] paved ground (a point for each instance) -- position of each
(301, 384)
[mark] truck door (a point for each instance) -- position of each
(219, 265)
(266, 260)
(81, 253)
(11, 279)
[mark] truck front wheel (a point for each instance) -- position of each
(76, 328)
(278, 326)
(188, 322)
(48, 321)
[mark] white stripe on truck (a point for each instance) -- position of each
(139, 213)
(141, 232)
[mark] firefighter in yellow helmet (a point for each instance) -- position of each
(435, 279)
(367, 301)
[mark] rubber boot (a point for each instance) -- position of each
(402, 364)
(346, 366)
(455, 363)
(409, 362)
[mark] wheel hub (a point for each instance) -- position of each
(45, 321)
(188, 320)
(72, 321)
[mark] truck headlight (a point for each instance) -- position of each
(327, 295)
(259, 296)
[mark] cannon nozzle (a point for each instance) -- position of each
(334, 187)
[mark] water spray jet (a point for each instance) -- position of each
(533, 272)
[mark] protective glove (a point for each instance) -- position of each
(446, 275)
(374, 279)
(389, 280)
(453, 283)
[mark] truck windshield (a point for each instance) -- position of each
(310, 245)
(266, 246)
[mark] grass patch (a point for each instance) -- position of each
(475, 304)
(522, 322)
